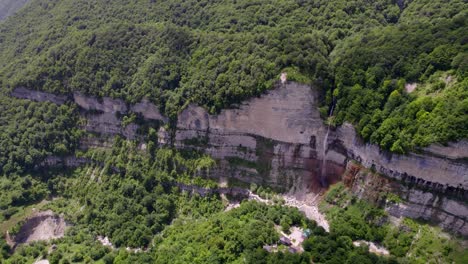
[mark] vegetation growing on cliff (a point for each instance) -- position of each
(132, 197)
(359, 220)
(217, 53)
(361, 55)
(31, 131)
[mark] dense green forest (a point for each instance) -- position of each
(131, 196)
(410, 241)
(359, 54)
(32, 131)
(133, 199)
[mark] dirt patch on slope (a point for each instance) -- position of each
(41, 226)
(410, 87)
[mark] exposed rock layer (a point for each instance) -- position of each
(38, 96)
(278, 139)
(450, 214)
(282, 129)
(41, 226)
(275, 139)
(446, 174)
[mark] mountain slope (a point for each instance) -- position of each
(218, 53)
(132, 142)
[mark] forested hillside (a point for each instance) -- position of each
(31, 131)
(217, 53)
(396, 69)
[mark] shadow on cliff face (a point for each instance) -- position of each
(334, 173)
(314, 181)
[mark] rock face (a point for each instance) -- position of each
(446, 211)
(445, 174)
(148, 110)
(281, 132)
(458, 150)
(275, 140)
(106, 105)
(24, 93)
(69, 161)
(108, 123)
(280, 140)
(102, 116)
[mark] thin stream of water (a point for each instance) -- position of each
(323, 169)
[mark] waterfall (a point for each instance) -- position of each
(323, 169)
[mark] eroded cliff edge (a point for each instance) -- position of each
(279, 139)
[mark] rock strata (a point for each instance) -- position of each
(268, 140)
(445, 174)
(447, 212)
(278, 139)
(38, 96)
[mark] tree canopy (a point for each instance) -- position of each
(217, 53)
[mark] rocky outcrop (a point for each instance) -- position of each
(69, 161)
(429, 170)
(402, 200)
(280, 140)
(275, 139)
(91, 142)
(101, 115)
(283, 134)
(42, 226)
(232, 191)
(149, 111)
(38, 96)
(453, 150)
(106, 104)
(109, 124)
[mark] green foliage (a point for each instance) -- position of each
(358, 221)
(217, 54)
(131, 206)
(237, 236)
(360, 54)
(408, 242)
(4, 249)
(214, 54)
(372, 66)
(222, 238)
(294, 74)
(32, 131)
(18, 191)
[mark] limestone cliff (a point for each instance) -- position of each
(443, 210)
(275, 139)
(428, 169)
(280, 140)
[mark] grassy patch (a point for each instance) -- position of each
(22, 214)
